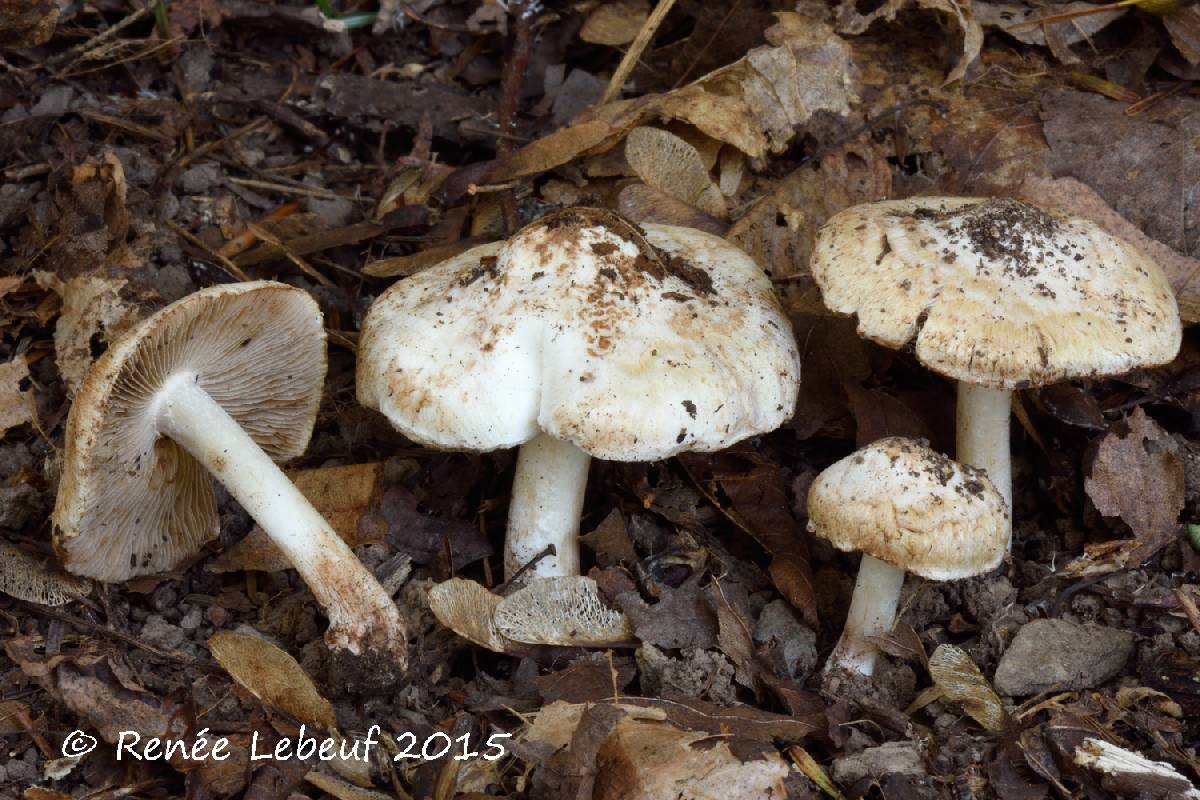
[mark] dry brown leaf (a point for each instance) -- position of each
(615, 23)
(403, 266)
(40, 793)
(961, 683)
(12, 712)
(851, 21)
(29, 578)
(646, 760)
(1183, 26)
(645, 204)
(779, 230)
(673, 166)
(1137, 476)
(92, 309)
(342, 495)
(273, 676)
(468, 609)
(16, 402)
(755, 104)
(1058, 36)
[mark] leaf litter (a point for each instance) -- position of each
(147, 156)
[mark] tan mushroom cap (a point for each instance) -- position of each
(912, 507)
(631, 343)
(132, 502)
(997, 292)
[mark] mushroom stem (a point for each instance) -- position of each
(872, 613)
(547, 499)
(361, 614)
(983, 435)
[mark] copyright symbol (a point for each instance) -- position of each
(78, 744)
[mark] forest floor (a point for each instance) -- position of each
(149, 151)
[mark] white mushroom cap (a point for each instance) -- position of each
(632, 344)
(997, 292)
(913, 508)
(132, 502)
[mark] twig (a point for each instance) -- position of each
(546, 552)
(304, 266)
(230, 267)
(284, 188)
(98, 39)
(636, 49)
(514, 77)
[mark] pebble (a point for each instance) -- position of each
(891, 758)
(1057, 654)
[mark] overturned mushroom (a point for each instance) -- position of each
(220, 384)
(905, 508)
(998, 295)
(581, 336)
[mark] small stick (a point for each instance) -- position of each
(246, 239)
(514, 77)
(636, 49)
(230, 267)
(98, 39)
(304, 266)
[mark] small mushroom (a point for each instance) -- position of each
(998, 295)
(221, 384)
(905, 508)
(583, 335)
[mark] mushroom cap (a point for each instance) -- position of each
(912, 507)
(631, 343)
(997, 292)
(133, 502)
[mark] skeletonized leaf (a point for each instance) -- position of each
(273, 676)
(563, 611)
(30, 579)
(961, 682)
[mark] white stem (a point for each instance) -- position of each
(547, 499)
(361, 614)
(872, 613)
(983, 415)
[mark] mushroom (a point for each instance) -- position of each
(220, 384)
(583, 335)
(998, 295)
(905, 508)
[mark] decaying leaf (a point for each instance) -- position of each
(779, 229)
(93, 311)
(342, 790)
(759, 505)
(27, 23)
(561, 611)
(755, 104)
(1137, 476)
(668, 163)
(1058, 36)
(16, 401)
(341, 494)
(852, 21)
(468, 609)
(273, 676)
(647, 760)
(102, 693)
(682, 617)
(23, 576)
(1130, 773)
(615, 23)
(960, 682)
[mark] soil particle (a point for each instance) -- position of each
(1004, 231)
(696, 673)
(890, 758)
(793, 645)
